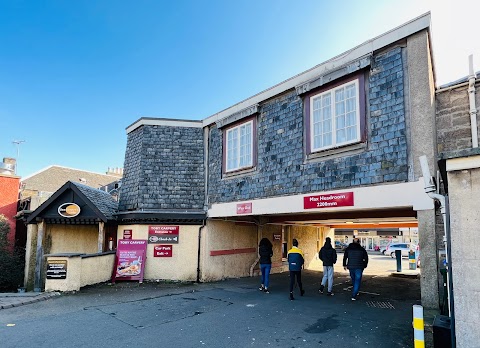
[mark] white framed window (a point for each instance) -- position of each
(239, 147)
(335, 117)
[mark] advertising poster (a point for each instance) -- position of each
(130, 260)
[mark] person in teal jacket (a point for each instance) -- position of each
(295, 264)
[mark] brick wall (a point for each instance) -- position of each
(453, 119)
(281, 169)
(163, 169)
(8, 201)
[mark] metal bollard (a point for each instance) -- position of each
(418, 327)
(398, 255)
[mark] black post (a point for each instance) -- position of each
(398, 255)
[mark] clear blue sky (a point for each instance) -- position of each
(75, 74)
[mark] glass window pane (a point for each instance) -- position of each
(326, 100)
(340, 122)
(339, 108)
(341, 136)
(350, 91)
(327, 139)
(316, 116)
(339, 95)
(351, 133)
(351, 119)
(351, 104)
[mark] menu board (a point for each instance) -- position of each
(130, 260)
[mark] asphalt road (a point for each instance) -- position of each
(230, 313)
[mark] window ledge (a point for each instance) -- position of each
(239, 173)
(346, 150)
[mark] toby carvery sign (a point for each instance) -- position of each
(163, 234)
(69, 210)
(341, 199)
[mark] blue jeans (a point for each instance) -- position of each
(265, 268)
(356, 275)
(328, 276)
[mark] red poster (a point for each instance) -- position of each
(163, 229)
(130, 262)
(341, 199)
(162, 250)
(244, 208)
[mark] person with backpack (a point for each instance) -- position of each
(328, 255)
(355, 260)
(295, 263)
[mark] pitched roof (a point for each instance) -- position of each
(105, 203)
(50, 179)
(100, 202)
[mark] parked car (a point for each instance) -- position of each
(340, 245)
(383, 248)
(404, 247)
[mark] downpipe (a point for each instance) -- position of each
(471, 98)
(430, 190)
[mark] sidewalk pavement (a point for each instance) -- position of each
(9, 300)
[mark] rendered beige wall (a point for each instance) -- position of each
(72, 239)
(464, 192)
(96, 269)
(310, 239)
(183, 263)
(82, 272)
(222, 235)
(72, 282)
(267, 231)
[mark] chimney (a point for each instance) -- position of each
(7, 167)
(115, 172)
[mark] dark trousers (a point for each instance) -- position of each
(298, 275)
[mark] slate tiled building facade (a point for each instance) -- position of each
(352, 126)
(282, 168)
(165, 169)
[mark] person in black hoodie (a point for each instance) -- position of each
(329, 257)
(265, 251)
(355, 260)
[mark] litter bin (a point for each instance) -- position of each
(442, 332)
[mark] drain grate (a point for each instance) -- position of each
(377, 304)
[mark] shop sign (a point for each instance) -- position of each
(127, 234)
(56, 269)
(154, 239)
(130, 259)
(163, 234)
(162, 250)
(163, 229)
(69, 210)
(277, 236)
(341, 199)
(244, 208)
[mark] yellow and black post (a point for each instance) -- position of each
(418, 327)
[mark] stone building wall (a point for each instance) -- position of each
(453, 119)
